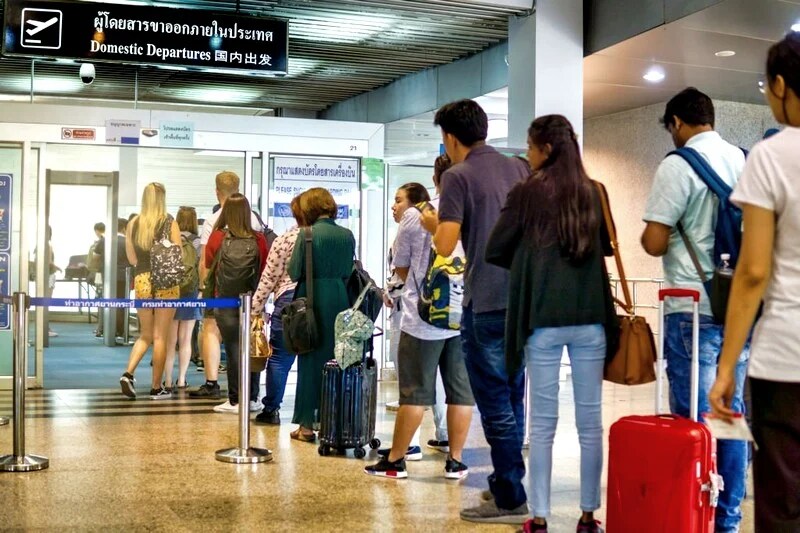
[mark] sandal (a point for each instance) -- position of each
(303, 437)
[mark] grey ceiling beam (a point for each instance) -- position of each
(609, 22)
(427, 90)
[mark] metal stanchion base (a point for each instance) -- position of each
(3, 421)
(23, 463)
(244, 455)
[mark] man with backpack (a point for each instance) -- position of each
(227, 183)
(688, 224)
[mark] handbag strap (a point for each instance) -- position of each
(627, 305)
(692, 253)
(361, 296)
(308, 233)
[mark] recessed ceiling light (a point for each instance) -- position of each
(796, 26)
(655, 75)
(725, 53)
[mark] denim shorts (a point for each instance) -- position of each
(417, 363)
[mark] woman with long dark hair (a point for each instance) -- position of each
(768, 192)
(235, 256)
(552, 236)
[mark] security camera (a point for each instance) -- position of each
(87, 73)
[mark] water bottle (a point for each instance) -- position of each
(724, 268)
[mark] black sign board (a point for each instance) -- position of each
(139, 34)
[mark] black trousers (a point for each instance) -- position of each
(776, 464)
(228, 324)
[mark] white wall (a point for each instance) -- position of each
(624, 150)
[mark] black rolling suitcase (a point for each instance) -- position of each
(348, 408)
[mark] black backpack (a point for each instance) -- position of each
(237, 265)
(359, 279)
(269, 234)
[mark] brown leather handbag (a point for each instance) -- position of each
(633, 351)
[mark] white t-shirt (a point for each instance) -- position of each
(208, 225)
(771, 180)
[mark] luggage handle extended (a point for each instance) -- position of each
(695, 368)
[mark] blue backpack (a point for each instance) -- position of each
(728, 233)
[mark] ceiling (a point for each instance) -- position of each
(684, 51)
(337, 49)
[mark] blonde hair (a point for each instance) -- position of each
(227, 183)
(154, 211)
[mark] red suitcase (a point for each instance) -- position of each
(662, 471)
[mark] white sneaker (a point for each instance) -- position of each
(393, 406)
(256, 407)
(226, 408)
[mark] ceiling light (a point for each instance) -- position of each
(761, 86)
(655, 75)
(796, 26)
(725, 53)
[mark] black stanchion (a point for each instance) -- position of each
(19, 461)
(244, 454)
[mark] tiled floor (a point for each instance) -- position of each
(117, 467)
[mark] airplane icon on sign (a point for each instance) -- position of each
(42, 28)
(39, 25)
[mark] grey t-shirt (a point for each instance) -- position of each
(473, 193)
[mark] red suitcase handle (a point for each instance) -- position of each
(678, 293)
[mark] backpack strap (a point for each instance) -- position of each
(704, 171)
(692, 253)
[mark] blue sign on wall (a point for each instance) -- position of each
(5, 212)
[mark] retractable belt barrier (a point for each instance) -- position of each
(128, 303)
(18, 461)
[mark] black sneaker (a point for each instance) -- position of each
(160, 394)
(272, 418)
(455, 469)
(384, 468)
(206, 390)
(439, 445)
(128, 385)
(200, 365)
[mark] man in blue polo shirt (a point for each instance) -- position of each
(474, 191)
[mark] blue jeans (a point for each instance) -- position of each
(587, 353)
(281, 362)
(499, 397)
(731, 454)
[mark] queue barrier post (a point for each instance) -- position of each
(18, 461)
(244, 454)
(126, 320)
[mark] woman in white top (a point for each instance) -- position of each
(275, 280)
(769, 268)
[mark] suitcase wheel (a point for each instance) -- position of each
(375, 444)
(324, 450)
(360, 453)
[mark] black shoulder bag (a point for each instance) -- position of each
(299, 322)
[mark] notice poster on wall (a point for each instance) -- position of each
(5, 213)
(5, 310)
(293, 175)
